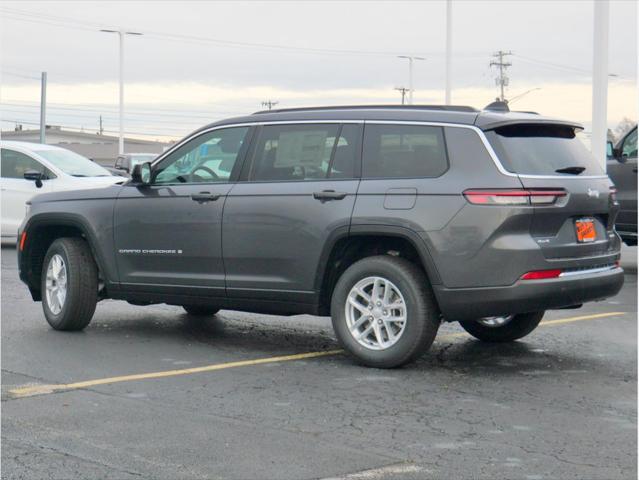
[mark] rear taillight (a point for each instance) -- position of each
(541, 274)
(514, 197)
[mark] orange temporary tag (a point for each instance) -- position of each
(586, 230)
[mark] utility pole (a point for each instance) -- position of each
(449, 48)
(410, 75)
(269, 104)
(403, 91)
(121, 34)
(600, 80)
(101, 131)
(502, 80)
(43, 107)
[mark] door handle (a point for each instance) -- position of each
(634, 169)
(204, 197)
(327, 195)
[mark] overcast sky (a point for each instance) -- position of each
(201, 61)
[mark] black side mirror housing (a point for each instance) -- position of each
(34, 176)
(141, 174)
(619, 156)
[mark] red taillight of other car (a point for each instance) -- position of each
(520, 197)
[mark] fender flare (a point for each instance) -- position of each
(61, 219)
(374, 229)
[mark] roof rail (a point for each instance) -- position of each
(448, 108)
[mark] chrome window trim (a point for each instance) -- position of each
(474, 128)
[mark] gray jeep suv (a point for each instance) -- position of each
(388, 219)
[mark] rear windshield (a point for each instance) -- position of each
(543, 150)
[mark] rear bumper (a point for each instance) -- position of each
(528, 295)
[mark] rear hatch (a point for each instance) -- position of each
(579, 224)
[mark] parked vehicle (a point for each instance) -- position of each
(388, 219)
(622, 170)
(31, 168)
(126, 162)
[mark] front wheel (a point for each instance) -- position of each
(384, 312)
(69, 284)
(506, 328)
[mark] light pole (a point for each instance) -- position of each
(410, 74)
(600, 39)
(449, 48)
(121, 34)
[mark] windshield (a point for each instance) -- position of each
(73, 164)
(536, 149)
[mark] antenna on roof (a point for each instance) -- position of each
(497, 106)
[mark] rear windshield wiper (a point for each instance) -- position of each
(571, 170)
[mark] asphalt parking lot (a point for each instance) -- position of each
(149, 392)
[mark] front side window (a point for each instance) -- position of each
(16, 164)
(305, 152)
(209, 158)
(73, 164)
(629, 148)
(403, 151)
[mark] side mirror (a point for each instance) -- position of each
(141, 174)
(34, 176)
(618, 155)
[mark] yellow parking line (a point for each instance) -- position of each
(44, 389)
(578, 319)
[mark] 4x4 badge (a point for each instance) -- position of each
(593, 193)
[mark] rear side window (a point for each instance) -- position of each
(534, 149)
(305, 152)
(403, 151)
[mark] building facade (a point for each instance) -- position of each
(100, 148)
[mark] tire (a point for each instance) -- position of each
(200, 310)
(407, 285)
(76, 309)
(517, 327)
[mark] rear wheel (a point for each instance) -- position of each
(384, 312)
(69, 284)
(200, 310)
(506, 328)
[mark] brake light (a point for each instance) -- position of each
(541, 274)
(514, 196)
(23, 238)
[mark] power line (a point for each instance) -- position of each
(403, 91)
(502, 80)
(22, 15)
(81, 128)
(144, 111)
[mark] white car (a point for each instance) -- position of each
(29, 169)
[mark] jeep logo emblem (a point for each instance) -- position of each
(593, 193)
